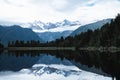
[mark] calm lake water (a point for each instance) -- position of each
(58, 65)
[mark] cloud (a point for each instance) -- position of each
(101, 10)
(7, 2)
(59, 5)
(17, 3)
(57, 10)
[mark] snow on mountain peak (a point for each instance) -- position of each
(51, 31)
(39, 26)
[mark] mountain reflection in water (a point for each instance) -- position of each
(66, 65)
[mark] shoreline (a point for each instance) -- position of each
(39, 48)
(101, 49)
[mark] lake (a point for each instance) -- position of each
(59, 65)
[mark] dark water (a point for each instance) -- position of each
(105, 63)
(16, 61)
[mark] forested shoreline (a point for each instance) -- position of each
(106, 37)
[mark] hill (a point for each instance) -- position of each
(15, 32)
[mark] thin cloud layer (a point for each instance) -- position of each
(56, 10)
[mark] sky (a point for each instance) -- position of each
(84, 11)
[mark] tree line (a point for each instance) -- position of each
(21, 43)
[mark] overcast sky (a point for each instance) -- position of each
(57, 10)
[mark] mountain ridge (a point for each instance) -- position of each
(52, 31)
(92, 26)
(38, 25)
(15, 32)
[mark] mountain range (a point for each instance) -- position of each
(15, 32)
(52, 31)
(50, 27)
(45, 31)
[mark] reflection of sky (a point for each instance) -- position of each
(57, 10)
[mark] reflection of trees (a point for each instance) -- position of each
(1, 46)
(111, 63)
(108, 62)
(1, 51)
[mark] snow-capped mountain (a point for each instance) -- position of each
(48, 64)
(51, 31)
(39, 26)
(48, 31)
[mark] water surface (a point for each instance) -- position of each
(49, 65)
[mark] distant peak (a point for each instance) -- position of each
(65, 20)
